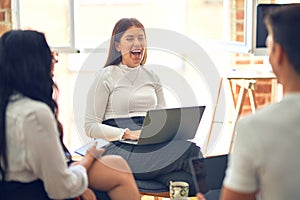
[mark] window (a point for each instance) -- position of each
(84, 24)
(95, 19)
(53, 17)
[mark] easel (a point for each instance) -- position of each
(246, 80)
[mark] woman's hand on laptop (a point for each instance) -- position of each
(131, 135)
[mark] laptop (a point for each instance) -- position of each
(163, 125)
(215, 168)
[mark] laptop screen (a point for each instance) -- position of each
(163, 125)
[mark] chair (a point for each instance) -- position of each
(153, 188)
(157, 189)
(146, 187)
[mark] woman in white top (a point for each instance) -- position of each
(118, 101)
(32, 154)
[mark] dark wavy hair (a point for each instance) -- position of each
(114, 57)
(25, 68)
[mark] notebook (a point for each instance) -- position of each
(100, 144)
(215, 168)
(163, 125)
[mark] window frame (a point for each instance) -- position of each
(235, 46)
(71, 47)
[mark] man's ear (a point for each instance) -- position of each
(117, 46)
(279, 53)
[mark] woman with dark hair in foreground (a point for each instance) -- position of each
(32, 154)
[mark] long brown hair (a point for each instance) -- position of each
(114, 57)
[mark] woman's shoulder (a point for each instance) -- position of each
(107, 71)
(24, 106)
(110, 68)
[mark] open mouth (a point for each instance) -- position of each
(136, 52)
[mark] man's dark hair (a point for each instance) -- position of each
(284, 23)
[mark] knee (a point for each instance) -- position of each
(116, 162)
(121, 161)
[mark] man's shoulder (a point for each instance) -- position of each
(263, 115)
(268, 117)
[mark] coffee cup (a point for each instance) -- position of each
(179, 190)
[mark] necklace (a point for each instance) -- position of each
(136, 75)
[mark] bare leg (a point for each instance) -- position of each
(112, 174)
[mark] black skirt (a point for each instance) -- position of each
(162, 162)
